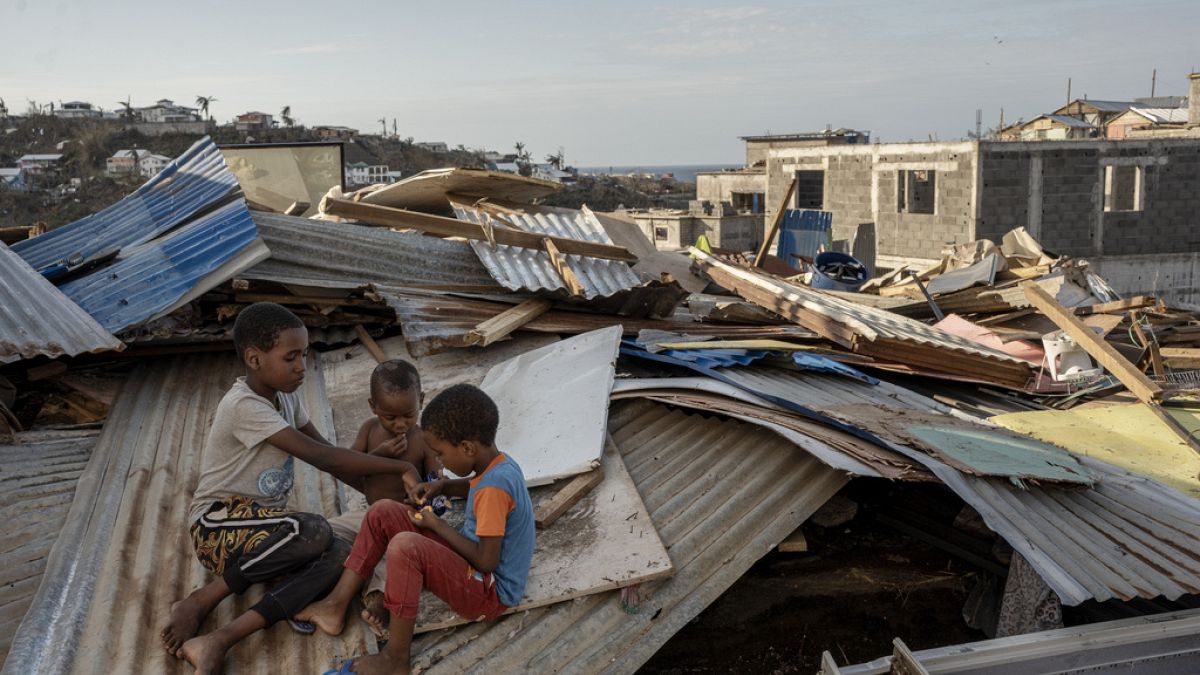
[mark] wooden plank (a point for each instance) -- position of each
(766, 243)
(1156, 362)
(903, 661)
(607, 542)
(1181, 357)
(796, 542)
(1101, 351)
(441, 226)
(504, 323)
(370, 344)
(296, 209)
(559, 261)
(1118, 306)
(576, 489)
(1103, 323)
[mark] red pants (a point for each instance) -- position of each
(419, 559)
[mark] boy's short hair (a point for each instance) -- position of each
(394, 377)
(462, 413)
(260, 324)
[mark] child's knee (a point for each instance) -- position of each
(315, 533)
(405, 545)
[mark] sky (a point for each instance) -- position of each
(610, 82)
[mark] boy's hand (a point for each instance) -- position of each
(392, 446)
(424, 492)
(424, 519)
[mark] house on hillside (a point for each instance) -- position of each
(150, 165)
(1095, 113)
(1143, 118)
(335, 132)
(124, 162)
(77, 110)
(1054, 127)
(433, 146)
(361, 173)
(37, 165)
(254, 121)
(11, 178)
(166, 111)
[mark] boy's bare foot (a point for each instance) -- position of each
(375, 614)
(328, 615)
(185, 619)
(205, 653)
(380, 664)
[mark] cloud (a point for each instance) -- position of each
(328, 48)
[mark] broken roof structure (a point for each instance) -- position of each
(670, 438)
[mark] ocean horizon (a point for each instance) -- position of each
(683, 172)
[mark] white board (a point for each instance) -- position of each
(554, 404)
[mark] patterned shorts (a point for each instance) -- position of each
(230, 528)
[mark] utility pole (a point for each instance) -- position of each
(1068, 91)
(978, 123)
(1153, 81)
(1000, 129)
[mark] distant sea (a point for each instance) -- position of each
(683, 172)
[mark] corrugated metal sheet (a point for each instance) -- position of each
(158, 276)
(194, 181)
(37, 482)
(124, 554)
(1162, 644)
(37, 319)
(721, 493)
(525, 269)
(305, 249)
(1127, 537)
(429, 190)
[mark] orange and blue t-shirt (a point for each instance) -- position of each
(498, 505)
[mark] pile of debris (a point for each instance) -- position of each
(678, 415)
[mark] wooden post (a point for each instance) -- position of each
(564, 270)
(1098, 348)
(369, 342)
(564, 499)
(500, 326)
(766, 243)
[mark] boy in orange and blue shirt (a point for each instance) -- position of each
(480, 570)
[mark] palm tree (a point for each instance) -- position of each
(286, 116)
(383, 121)
(557, 160)
(524, 163)
(127, 112)
(203, 102)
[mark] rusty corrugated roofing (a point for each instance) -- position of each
(36, 319)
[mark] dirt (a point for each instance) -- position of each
(857, 588)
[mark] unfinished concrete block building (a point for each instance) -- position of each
(1131, 207)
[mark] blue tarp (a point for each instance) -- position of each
(804, 233)
(195, 181)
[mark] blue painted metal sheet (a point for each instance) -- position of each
(195, 181)
(150, 279)
(804, 233)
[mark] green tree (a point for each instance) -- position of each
(286, 115)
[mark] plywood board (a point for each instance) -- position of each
(428, 191)
(554, 404)
(606, 541)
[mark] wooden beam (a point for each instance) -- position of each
(559, 261)
(369, 342)
(795, 543)
(1156, 362)
(1105, 355)
(296, 209)
(503, 324)
(284, 299)
(564, 499)
(1118, 306)
(766, 243)
(1181, 357)
(441, 226)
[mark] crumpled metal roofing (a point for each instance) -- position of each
(36, 319)
(37, 484)
(1126, 537)
(124, 554)
(194, 181)
(722, 494)
(158, 276)
(306, 249)
(526, 269)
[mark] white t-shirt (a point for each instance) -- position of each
(237, 460)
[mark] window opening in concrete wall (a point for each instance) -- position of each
(810, 189)
(660, 234)
(1123, 189)
(916, 191)
(747, 202)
